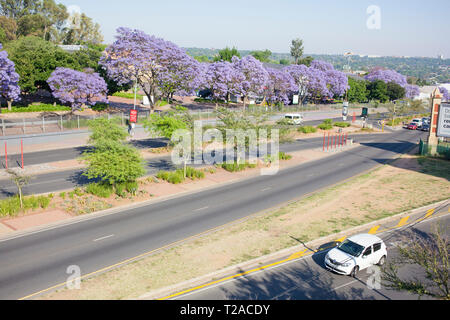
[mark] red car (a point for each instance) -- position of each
(412, 126)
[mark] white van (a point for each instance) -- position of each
(294, 118)
(418, 122)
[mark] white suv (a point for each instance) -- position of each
(356, 253)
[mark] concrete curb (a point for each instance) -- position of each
(279, 255)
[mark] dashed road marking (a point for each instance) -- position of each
(374, 230)
(403, 221)
(104, 238)
(201, 209)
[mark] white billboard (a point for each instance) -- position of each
(443, 126)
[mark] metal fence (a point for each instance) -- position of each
(58, 123)
(442, 149)
(53, 122)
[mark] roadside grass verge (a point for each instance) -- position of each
(380, 193)
(36, 108)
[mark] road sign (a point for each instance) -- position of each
(133, 116)
(443, 125)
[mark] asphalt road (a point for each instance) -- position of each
(34, 158)
(40, 260)
(308, 279)
(69, 179)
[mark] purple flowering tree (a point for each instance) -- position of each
(302, 77)
(280, 86)
(9, 79)
(318, 81)
(444, 92)
(255, 76)
(387, 76)
(337, 82)
(78, 88)
(156, 65)
(180, 73)
(222, 79)
(412, 91)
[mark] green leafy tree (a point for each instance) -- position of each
(306, 61)
(357, 91)
(31, 25)
(285, 62)
(9, 26)
(104, 129)
(429, 254)
(378, 91)
(35, 59)
(82, 30)
(114, 163)
(263, 56)
(20, 180)
(202, 58)
(227, 54)
(166, 124)
(395, 91)
(18, 8)
(297, 49)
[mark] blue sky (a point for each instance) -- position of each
(408, 27)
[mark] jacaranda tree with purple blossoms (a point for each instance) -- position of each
(254, 74)
(9, 79)
(280, 86)
(180, 74)
(412, 91)
(318, 81)
(156, 65)
(78, 88)
(222, 79)
(387, 76)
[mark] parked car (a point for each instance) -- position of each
(294, 118)
(412, 126)
(356, 253)
(425, 127)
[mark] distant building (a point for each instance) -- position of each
(441, 57)
(72, 48)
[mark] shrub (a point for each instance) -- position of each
(342, 124)
(44, 201)
(101, 106)
(101, 190)
(119, 189)
(307, 129)
(62, 195)
(78, 192)
(284, 156)
(236, 167)
(326, 125)
(131, 187)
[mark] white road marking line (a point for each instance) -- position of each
(344, 285)
(266, 189)
(103, 238)
(204, 208)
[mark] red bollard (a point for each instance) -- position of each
(21, 148)
(6, 156)
(328, 144)
(324, 135)
(354, 117)
(346, 136)
(335, 142)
